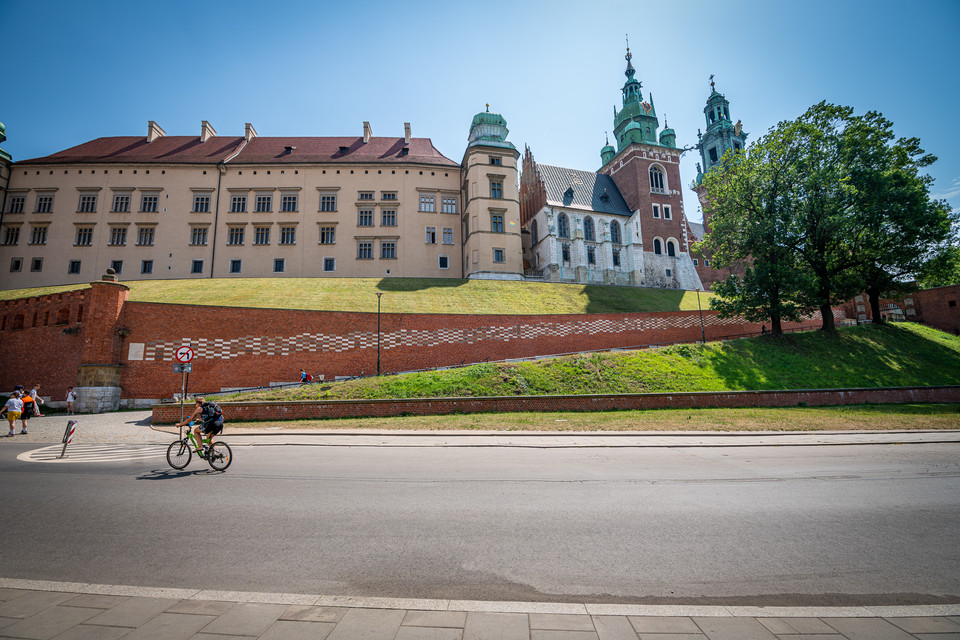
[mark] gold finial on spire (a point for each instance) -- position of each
(629, 55)
(488, 104)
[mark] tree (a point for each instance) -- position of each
(942, 270)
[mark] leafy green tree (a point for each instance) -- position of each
(943, 270)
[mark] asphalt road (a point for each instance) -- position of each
(760, 525)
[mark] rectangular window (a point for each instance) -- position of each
(278, 265)
(11, 236)
(447, 235)
(443, 262)
(118, 236)
(73, 267)
(496, 190)
(365, 218)
(329, 264)
(261, 235)
(201, 203)
(496, 223)
(88, 203)
(388, 250)
(656, 211)
(38, 235)
(36, 264)
(198, 236)
(44, 204)
(117, 266)
(16, 204)
(16, 264)
(449, 205)
(565, 252)
(238, 204)
(121, 203)
(328, 203)
(146, 266)
(706, 262)
(84, 236)
(696, 262)
(366, 195)
(388, 195)
(235, 235)
(264, 204)
(495, 160)
(498, 255)
(388, 218)
(288, 235)
(328, 235)
(428, 204)
(288, 203)
(235, 266)
(145, 236)
(666, 212)
(431, 235)
(616, 257)
(149, 203)
(197, 266)
(364, 251)
(591, 255)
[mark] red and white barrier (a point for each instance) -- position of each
(68, 436)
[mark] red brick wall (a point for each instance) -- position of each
(930, 306)
(170, 413)
(40, 351)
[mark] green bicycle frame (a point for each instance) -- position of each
(197, 447)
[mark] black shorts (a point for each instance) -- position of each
(212, 428)
(28, 411)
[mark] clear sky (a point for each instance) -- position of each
(75, 71)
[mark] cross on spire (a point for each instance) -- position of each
(712, 88)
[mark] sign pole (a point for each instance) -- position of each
(183, 392)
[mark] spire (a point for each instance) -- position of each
(630, 70)
(712, 86)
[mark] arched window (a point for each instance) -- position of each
(588, 231)
(615, 232)
(657, 247)
(671, 248)
(656, 179)
(563, 227)
(533, 233)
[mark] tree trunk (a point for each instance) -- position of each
(826, 313)
(874, 295)
(776, 326)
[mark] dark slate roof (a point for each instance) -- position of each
(588, 190)
(260, 150)
(697, 229)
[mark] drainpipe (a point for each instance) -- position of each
(3, 202)
(221, 169)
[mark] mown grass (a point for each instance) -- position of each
(846, 418)
(401, 295)
(865, 356)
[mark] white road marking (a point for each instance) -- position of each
(94, 453)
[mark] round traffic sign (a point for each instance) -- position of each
(184, 354)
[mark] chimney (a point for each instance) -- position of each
(249, 132)
(406, 133)
(154, 131)
(367, 132)
(206, 131)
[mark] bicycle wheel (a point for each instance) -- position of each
(178, 454)
(220, 456)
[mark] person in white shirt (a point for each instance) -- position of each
(71, 398)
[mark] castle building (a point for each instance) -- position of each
(623, 224)
(165, 207)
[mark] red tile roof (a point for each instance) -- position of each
(260, 150)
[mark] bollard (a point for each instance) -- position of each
(68, 436)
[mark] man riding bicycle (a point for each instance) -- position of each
(210, 417)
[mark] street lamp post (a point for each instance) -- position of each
(379, 294)
(703, 334)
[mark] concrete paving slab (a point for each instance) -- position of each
(134, 612)
(496, 626)
(381, 603)
(673, 636)
(733, 629)
(368, 624)
(40, 585)
(311, 613)
(217, 636)
(655, 610)
(297, 630)
(516, 607)
(908, 611)
(246, 619)
(561, 622)
(796, 625)
(32, 603)
(96, 601)
(925, 625)
(170, 626)
(429, 633)
(803, 612)
(203, 607)
(141, 592)
(614, 628)
(453, 619)
(663, 624)
(938, 636)
(6, 622)
(10, 594)
(92, 632)
(49, 623)
(868, 629)
(547, 634)
(263, 598)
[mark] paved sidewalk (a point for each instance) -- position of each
(71, 611)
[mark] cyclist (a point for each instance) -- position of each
(210, 417)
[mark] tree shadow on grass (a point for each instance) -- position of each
(885, 356)
(614, 299)
(418, 284)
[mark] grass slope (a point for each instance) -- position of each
(865, 356)
(401, 295)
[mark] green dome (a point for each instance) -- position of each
(486, 117)
(489, 129)
(608, 149)
(633, 126)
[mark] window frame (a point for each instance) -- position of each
(83, 233)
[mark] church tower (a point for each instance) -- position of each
(721, 136)
(492, 247)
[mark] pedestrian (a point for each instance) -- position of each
(763, 330)
(303, 376)
(13, 408)
(36, 398)
(71, 398)
(29, 410)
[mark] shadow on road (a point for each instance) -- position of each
(170, 474)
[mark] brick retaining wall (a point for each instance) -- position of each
(244, 411)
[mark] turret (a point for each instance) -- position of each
(721, 135)
(607, 153)
(668, 137)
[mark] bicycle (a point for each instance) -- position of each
(217, 454)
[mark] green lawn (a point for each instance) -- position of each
(401, 295)
(865, 356)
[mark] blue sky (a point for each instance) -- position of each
(77, 71)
